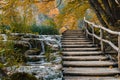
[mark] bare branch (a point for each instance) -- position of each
(59, 4)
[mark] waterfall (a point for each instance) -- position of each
(30, 46)
(43, 47)
(4, 37)
(59, 41)
(48, 40)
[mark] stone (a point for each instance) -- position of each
(23, 45)
(32, 52)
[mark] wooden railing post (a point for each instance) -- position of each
(101, 41)
(86, 29)
(86, 25)
(93, 32)
(119, 51)
(86, 34)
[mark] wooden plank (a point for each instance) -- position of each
(73, 33)
(70, 58)
(93, 32)
(78, 46)
(81, 49)
(103, 28)
(76, 43)
(90, 78)
(119, 52)
(101, 42)
(78, 53)
(73, 36)
(89, 63)
(74, 40)
(91, 71)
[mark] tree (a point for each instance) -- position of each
(17, 13)
(107, 11)
(72, 11)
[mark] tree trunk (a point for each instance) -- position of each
(97, 13)
(109, 13)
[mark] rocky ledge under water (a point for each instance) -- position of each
(37, 59)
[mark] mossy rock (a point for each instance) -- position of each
(32, 52)
(22, 76)
(34, 59)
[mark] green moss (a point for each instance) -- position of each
(22, 76)
(48, 53)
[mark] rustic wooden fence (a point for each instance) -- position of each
(100, 38)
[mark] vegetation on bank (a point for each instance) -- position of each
(44, 30)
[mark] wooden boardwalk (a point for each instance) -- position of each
(82, 60)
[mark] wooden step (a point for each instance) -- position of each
(89, 63)
(80, 49)
(81, 53)
(74, 30)
(74, 40)
(89, 78)
(72, 34)
(73, 37)
(83, 61)
(84, 58)
(74, 43)
(91, 71)
(78, 46)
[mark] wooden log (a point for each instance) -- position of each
(93, 32)
(119, 52)
(101, 41)
(103, 28)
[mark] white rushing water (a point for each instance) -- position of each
(43, 47)
(4, 37)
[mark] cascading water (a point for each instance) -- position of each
(4, 37)
(43, 51)
(30, 46)
(42, 69)
(43, 47)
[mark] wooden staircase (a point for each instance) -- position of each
(83, 60)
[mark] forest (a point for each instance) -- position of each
(31, 33)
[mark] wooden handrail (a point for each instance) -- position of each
(103, 28)
(102, 41)
(106, 41)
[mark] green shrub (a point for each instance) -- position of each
(10, 55)
(44, 30)
(48, 55)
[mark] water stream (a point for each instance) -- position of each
(41, 68)
(4, 37)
